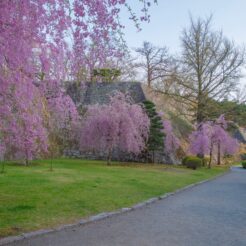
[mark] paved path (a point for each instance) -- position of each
(211, 214)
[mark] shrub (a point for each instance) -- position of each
(193, 162)
(205, 161)
(243, 164)
(185, 159)
(243, 157)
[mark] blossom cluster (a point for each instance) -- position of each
(120, 124)
(212, 137)
(35, 48)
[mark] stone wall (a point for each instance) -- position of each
(159, 157)
(99, 93)
(240, 135)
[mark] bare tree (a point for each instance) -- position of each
(210, 68)
(240, 95)
(126, 66)
(154, 61)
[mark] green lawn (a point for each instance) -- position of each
(33, 197)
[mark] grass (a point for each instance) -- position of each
(32, 197)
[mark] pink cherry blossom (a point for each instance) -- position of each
(120, 124)
(40, 42)
(211, 138)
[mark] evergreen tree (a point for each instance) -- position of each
(156, 134)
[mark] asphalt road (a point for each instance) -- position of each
(211, 214)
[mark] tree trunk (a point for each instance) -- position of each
(26, 162)
(109, 157)
(201, 156)
(51, 163)
(149, 81)
(153, 157)
(26, 159)
(200, 114)
(219, 154)
(148, 73)
(2, 171)
(210, 157)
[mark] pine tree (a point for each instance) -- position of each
(156, 134)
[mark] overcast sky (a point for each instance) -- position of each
(169, 17)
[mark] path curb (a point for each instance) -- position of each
(104, 215)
